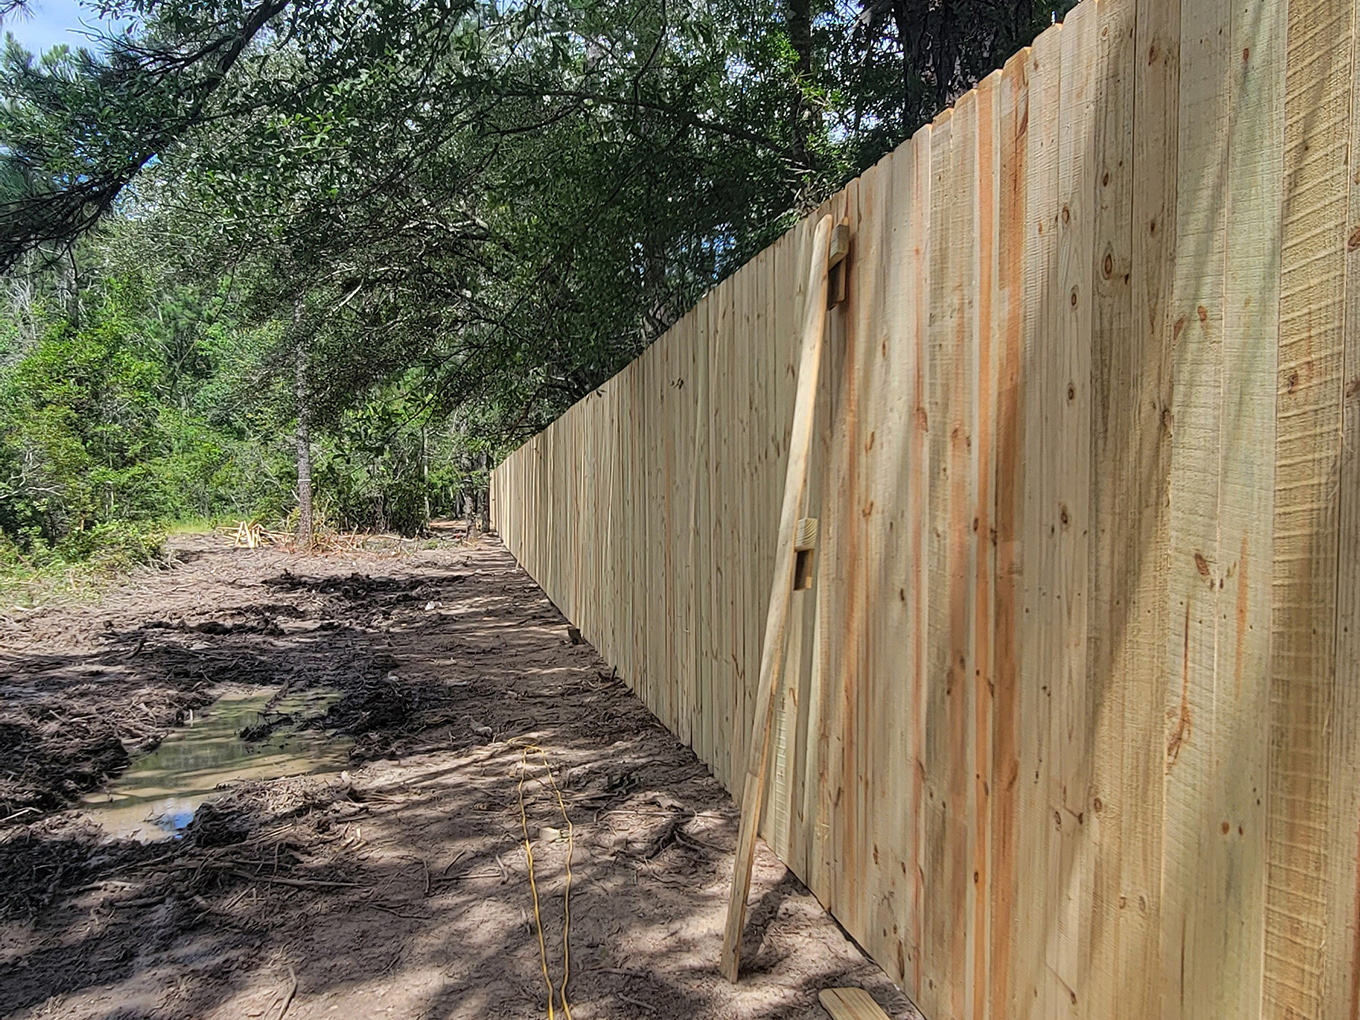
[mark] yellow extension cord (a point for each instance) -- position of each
(533, 886)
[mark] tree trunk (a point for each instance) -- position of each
(72, 295)
(304, 444)
(425, 470)
(484, 517)
(800, 36)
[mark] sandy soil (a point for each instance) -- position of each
(400, 888)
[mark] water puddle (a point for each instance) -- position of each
(159, 793)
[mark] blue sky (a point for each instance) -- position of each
(51, 22)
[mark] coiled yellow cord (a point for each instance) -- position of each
(553, 992)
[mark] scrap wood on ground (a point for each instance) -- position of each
(399, 885)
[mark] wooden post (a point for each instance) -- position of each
(781, 593)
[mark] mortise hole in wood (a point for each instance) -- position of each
(835, 293)
(804, 542)
(836, 261)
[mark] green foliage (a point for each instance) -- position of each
(158, 409)
(101, 426)
(384, 468)
(418, 230)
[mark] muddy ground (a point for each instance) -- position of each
(400, 887)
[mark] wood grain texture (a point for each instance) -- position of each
(1195, 567)
(1300, 862)
(1037, 901)
(1071, 725)
(1112, 568)
(944, 297)
(1341, 985)
(1146, 428)
(1232, 955)
(1068, 404)
(983, 589)
(1009, 509)
(917, 539)
(850, 1004)
(781, 594)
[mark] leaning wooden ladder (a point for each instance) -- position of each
(828, 247)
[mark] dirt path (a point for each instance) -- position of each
(401, 887)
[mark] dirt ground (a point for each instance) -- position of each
(401, 887)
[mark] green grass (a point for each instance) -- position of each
(199, 525)
(77, 569)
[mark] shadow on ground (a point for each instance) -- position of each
(400, 887)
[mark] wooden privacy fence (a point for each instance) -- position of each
(1072, 721)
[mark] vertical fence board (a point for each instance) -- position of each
(1341, 989)
(961, 477)
(1303, 678)
(1191, 842)
(1005, 775)
(918, 522)
(1232, 954)
(943, 299)
(781, 816)
(893, 358)
(1037, 902)
(874, 707)
(1068, 400)
(1111, 409)
(983, 679)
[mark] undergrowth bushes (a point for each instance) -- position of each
(148, 412)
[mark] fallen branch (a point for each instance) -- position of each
(292, 990)
(297, 883)
(397, 913)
